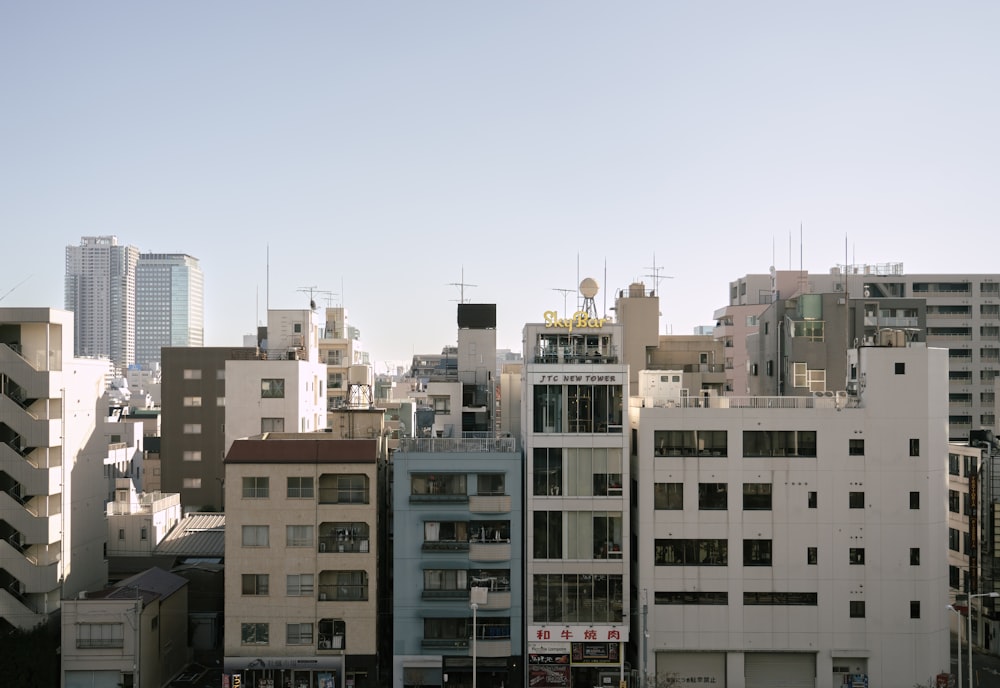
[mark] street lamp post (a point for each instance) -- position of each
(478, 596)
(952, 608)
(972, 597)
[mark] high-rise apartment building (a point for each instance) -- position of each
(52, 460)
(169, 304)
(100, 290)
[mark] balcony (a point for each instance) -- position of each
(449, 445)
(490, 551)
(490, 504)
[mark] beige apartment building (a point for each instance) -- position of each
(301, 577)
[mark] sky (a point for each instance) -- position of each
(382, 152)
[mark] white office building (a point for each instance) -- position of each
(796, 541)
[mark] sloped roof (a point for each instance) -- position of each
(198, 534)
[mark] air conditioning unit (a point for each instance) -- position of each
(322, 597)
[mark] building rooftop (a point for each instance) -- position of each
(197, 535)
(302, 448)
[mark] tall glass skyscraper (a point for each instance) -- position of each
(128, 305)
(100, 290)
(169, 304)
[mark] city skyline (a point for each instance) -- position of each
(392, 151)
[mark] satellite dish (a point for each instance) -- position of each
(589, 287)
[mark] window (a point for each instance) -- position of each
(299, 584)
(811, 500)
(345, 586)
(446, 580)
(299, 634)
(756, 496)
(547, 535)
(693, 552)
(254, 634)
(712, 496)
(668, 496)
(144, 533)
(272, 388)
(220, 373)
(856, 447)
(793, 599)
(914, 556)
(256, 488)
(756, 552)
(255, 583)
(300, 488)
(953, 501)
(693, 597)
(192, 401)
(914, 447)
(954, 464)
(490, 484)
(272, 425)
(298, 536)
(953, 539)
(255, 536)
(352, 489)
(857, 609)
(448, 629)
(220, 401)
(857, 556)
(914, 609)
(121, 533)
(779, 443)
(584, 598)
(442, 405)
(914, 500)
(192, 374)
(191, 455)
(856, 500)
(812, 555)
(451, 534)
(192, 428)
(452, 484)
(192, 483)
(547, 471)
(690, 443)
(99, 635)
(900, 368)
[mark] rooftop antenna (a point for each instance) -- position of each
(312, 290)
(7, 293)
(328, 296)
(565, 293)
(657, 277)
(461, 286)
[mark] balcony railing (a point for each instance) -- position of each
(445, 445)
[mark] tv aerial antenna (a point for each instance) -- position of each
(565, 293)
(311, 291)
(461, 286)
(657, 277)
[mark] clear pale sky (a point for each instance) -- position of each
(380, 148)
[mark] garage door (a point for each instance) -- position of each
(684, 668)
(779, 669)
